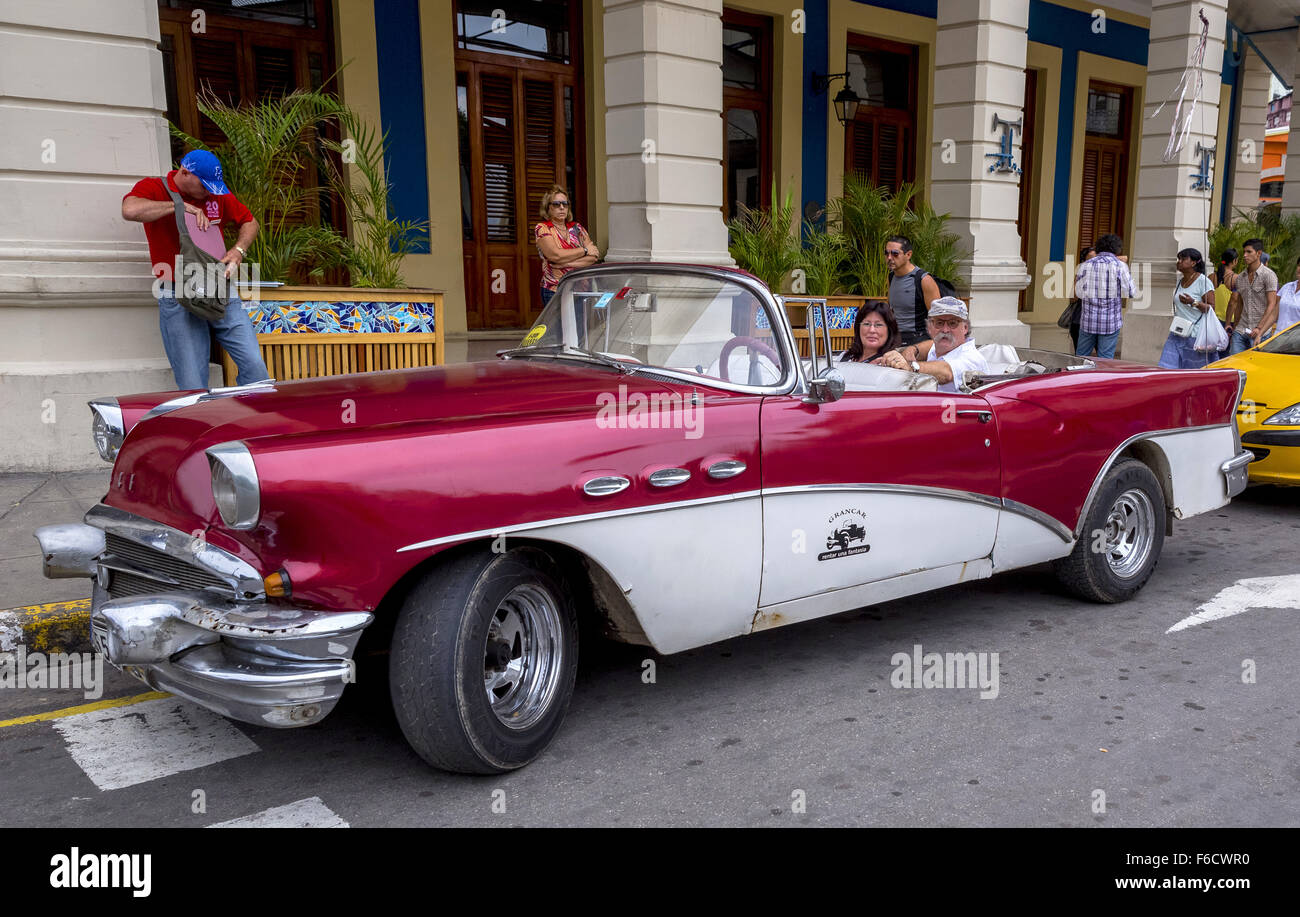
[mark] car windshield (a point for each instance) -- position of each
(1287, 342)
(695, 323)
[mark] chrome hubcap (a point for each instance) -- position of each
(522, 656)
(1130, 532)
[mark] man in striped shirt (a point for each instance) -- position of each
(1101, 283)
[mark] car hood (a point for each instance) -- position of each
(161, 471)
(1271, 378)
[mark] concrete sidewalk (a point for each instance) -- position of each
(27, 502)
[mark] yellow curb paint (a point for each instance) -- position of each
(44, 625)
(85, 708)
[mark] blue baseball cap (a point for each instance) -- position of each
(207, 169)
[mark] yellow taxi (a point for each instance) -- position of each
(1269, 413)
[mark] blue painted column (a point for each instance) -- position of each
(401, 111)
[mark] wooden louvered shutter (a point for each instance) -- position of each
(1088, 199)
(540, 156)
(273, 71)
(889, 155)
(499, 157)
(216, 68)
(863, 144)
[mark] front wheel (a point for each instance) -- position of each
(1121, 541)
(483, 661)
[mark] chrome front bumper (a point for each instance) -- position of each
(1234, 472)
(271, 665)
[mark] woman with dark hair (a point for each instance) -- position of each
(875, 333)
(1193, 297)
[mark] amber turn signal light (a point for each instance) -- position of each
(278, 585)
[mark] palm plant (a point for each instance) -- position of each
(867, 216)
(379, 242)
(763, 241)
(934, 248)
(823, 259)
(270, 146)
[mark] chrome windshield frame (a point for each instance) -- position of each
(792, 380)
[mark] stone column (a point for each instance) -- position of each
(663, 130)
(1170, 215)
(979, 74)
(1254, 80)
(82, 109)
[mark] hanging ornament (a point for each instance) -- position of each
(1193, 79)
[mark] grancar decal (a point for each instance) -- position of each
(847, 536)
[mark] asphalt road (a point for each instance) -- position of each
(794, 726)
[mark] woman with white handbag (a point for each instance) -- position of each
(1193, 309)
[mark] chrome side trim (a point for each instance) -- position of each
(1061, 530)
(184, 401)
(244, 581)
(175, 404)
(945, 493)
(1096, 481)
(585, 517)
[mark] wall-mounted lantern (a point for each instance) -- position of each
(846, 100)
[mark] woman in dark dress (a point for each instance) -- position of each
(875, 333)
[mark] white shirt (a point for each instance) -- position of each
(1288, 306)
(959, 360)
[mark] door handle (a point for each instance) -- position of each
(981, 416)
(727, 468)
(606, 486)
(669, 477)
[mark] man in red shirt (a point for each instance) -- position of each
(186, 335)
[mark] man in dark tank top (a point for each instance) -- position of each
(910, 309)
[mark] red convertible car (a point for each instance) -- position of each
(655, 458)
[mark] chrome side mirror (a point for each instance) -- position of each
(828, 387)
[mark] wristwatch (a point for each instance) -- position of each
(242, 253)
(916, 367)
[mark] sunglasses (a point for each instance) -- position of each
(559, 203)
(893, 252)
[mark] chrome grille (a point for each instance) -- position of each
(186, 575)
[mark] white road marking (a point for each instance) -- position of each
(124, 746)
(1243, 595)
(305, 813)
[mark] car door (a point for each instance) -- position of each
(898, 488)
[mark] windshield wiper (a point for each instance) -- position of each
(561, 351)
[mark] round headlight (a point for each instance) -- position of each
(235, 487)
(106, 427)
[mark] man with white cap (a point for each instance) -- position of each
(207, 199)
(949, 353)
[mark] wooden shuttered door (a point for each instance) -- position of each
(1103, 199)
(516, 149)
(880, 143)
(881, 151)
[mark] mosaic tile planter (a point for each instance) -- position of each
(306, 332)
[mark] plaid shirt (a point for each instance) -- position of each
(1101, 283)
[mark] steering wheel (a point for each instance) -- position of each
(754, 344)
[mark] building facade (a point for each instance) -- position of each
(1033, 123)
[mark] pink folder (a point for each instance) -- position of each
(210, 239)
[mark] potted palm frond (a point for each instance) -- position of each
(281, 160)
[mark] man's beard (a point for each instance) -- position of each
(945, 338)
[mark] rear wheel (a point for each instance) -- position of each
(1121, 541)
(483, 661)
